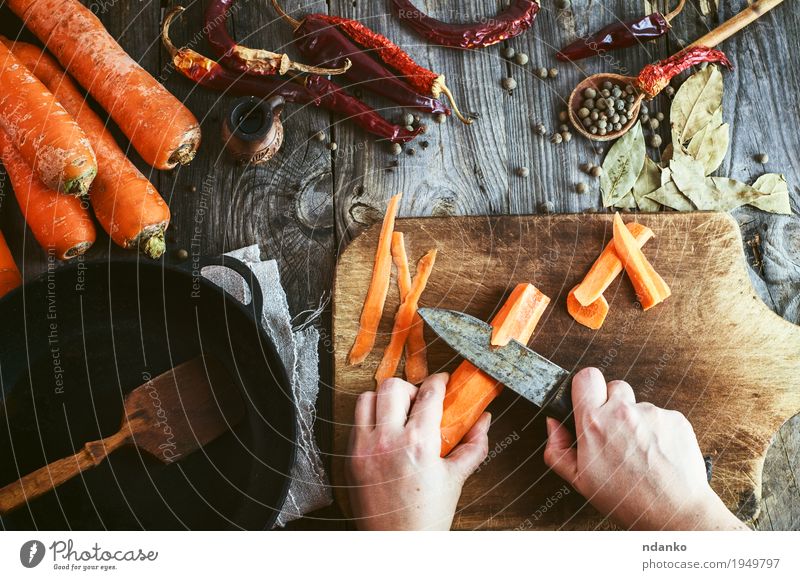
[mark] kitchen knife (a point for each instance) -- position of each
(525, 372)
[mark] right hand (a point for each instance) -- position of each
(635, 462)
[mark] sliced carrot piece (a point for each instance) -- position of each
(372, 311)
(521, 312)
(470, 390)
(649, 286)
(607, 267)
(591, 316)
(405, 319)
(416, 366)
(9, 273)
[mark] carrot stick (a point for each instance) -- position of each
(126, 204)
(48, 138)
(60, 223)
(405, 319)
(160, 128)
(416, 366)
(372, 311)
(591, 316)
(650, 287)
(470, 390)
(519, 315)
(9, 273)
(606, 268)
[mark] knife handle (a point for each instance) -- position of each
(559, 404)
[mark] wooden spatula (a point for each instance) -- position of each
(169, 417)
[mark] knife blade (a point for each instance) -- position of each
(524, 371)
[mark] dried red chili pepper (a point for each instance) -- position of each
(512, 22)
(250, 60)
(620, 35)
(329, 38)
(314, 89)
(655, 77)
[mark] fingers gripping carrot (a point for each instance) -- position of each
(161, 129)
(9, 274)
(47, 137)
(416, 364)
(60, 223)
(125, 203)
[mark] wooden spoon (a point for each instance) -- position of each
(169, 417)
(713, 38)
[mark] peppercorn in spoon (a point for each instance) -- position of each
(598, 99)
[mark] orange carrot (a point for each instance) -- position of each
(126, 204)
(470, 390)
(161, 129)
(519, 315)
(60, 223)
(416, 366)
(405, 319)
(591, 316)
(9, 273)
(650, 287)
(372, 310)
(48, 138)
(607, 267)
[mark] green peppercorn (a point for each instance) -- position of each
(542, 72)
(553, 73)
(333, 146)
(589, 93)
(655, 141)
(396, 149)
(660, 116)
(319, 136)
(583, 112)
(540, 129)
(556, 138)
(408, 119)
(521, 59)
(654, 124)
(509, 84)
(566, 136)
(508, 52)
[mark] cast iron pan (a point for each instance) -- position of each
(76, 340)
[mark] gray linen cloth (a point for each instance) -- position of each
(309, 488)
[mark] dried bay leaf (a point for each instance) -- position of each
(775, 194)
(694, 145)
(713, 147)
(690, 178)
(695, 103)
(622, 166)
(626, 202)
(725, 194)
(670, 196)
(648, 181)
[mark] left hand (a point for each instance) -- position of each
(398, 481)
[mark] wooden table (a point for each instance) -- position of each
(304, 206)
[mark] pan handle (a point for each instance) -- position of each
(256, 296)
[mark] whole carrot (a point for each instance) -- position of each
(60, 223)
(9, 273)
(161, 129)
(125, 203)
(48, 138)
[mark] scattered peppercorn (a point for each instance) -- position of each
(589, 93)
(553, 73)
(556, 138)
(523, 171)
(396, 149)
(654, 124)
(581, 188)
(586, 167)
(583, 112)
(509, 84)
(660, 116)
(410, 128)
(521, 59)
(411, 152)
(547, 207)
(424, 144)
(319, 136)
(669, 91)
(542, 72)
(408, 119)
(508, 52)
(333, 146)
(440, 118)
(182, 254)
(596, 171)
(655, 140)
(566, 136)
(762, 158)
(192, 188)
(540, 129)
(563, 127)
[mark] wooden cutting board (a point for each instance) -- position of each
(713, 351)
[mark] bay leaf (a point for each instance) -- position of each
(648, 181)
(695, 104)
(694, 145)
(666, 155)
(775, 194)
(713, 147)
(690, 178)
(670, 196)
(626, 202)
(725, 194)
(622, 166)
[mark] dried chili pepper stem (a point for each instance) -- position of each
(418, 77)
(670, 15)
(252, 60)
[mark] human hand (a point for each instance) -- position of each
(635, 462)
(397, 480)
